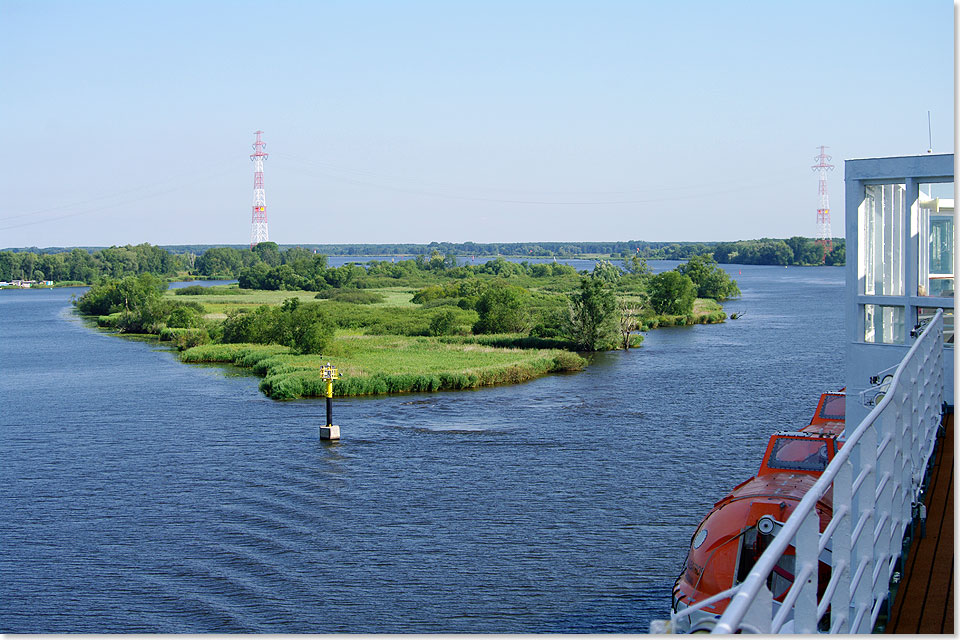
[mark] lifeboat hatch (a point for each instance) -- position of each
(831, 408)
(798, 452)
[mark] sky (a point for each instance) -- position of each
(419, 121)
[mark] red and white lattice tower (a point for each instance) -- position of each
(824, 235)
(258, 223)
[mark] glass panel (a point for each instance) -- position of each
(834, 407)
(883, 324)
(798, 454)
(881, 239)
(936, 240)
(925, 313)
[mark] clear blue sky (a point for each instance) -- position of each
(415, 121)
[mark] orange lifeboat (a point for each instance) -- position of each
(728, 541)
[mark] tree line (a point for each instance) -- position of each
(88, 265)
(84, 266)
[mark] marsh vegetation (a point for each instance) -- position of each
(413, 325)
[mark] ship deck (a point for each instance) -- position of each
(924, 600)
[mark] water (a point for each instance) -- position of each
(143, 495)
(580, 264)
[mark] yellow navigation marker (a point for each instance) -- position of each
(331, 431)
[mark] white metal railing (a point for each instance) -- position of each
(876, 479)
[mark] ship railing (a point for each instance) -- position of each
(877, 481)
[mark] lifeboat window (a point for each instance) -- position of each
(834, 408)
(799, 454)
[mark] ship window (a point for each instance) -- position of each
(936, 240)
(834, 408)
(881, 239)
(799, 454)
(882, 324)
(926, 313)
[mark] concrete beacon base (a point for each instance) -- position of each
(330, 432)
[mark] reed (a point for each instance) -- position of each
(373, 365)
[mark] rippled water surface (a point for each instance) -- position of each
(143, 495)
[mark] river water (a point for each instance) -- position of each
(144, 495)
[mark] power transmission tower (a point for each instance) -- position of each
(258, 223)
(824, 234)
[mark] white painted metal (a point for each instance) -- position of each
(898, 239)
(876, 479)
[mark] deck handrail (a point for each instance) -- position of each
(877, 484)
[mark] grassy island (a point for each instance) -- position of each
(387, 364)
(413, 325)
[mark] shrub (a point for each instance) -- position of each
(672, 293)
(193, 290)
(183, 317)
(569, 361)
(501, 308)
(443, 323)
(184, 338)
(109, 321)
(305, 328)
(710, 279)
(112, 296)
(197, 290)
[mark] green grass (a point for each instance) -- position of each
(385, 347)
(218, 303)
(395, 296)
(224, 298)
(372, 365)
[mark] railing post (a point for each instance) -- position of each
(913, 423)
(840, 610)
(887, 514)
(901, 465)
(807, 549)
(864, 523)
(758, 617)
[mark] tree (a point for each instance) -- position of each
(636, 265)
(629, 322)
(307, 328)
(501, 309)
(593, 316)
(129, 294)
(443, 323)
(672, 293)
(283, 278)
(225, 261)
(10, 265)
(711, 280)
(184, 317)
(775, 252)
(254, 277)
(304, 328)
(80, 266)
(268, 252)
(344, 275)
(838, 255)
(606, 271)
